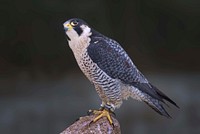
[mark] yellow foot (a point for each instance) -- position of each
(102, 113)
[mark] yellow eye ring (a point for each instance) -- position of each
(74, 23)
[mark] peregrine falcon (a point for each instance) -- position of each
(106, 64)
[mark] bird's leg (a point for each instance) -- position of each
(104, 111)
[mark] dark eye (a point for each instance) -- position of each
(74, 23)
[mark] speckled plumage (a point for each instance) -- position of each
(109, 68)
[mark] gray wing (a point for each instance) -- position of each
(114, 61)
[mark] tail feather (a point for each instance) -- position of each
(155, 105)
(154, 92)
(153, 97)
(163, 96)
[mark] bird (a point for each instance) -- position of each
(112, 72)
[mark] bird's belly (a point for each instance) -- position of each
(107, 88)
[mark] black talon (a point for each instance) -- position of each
(113, 125)
(90, 123)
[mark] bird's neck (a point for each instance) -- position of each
(78, 45)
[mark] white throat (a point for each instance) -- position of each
(77, 43)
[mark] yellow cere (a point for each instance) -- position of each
(68, 26)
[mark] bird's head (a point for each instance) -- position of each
(76, 28)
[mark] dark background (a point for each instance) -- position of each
(43, 91)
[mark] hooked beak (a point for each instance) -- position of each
(67, 26)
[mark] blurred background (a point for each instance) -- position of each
(42, 90)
